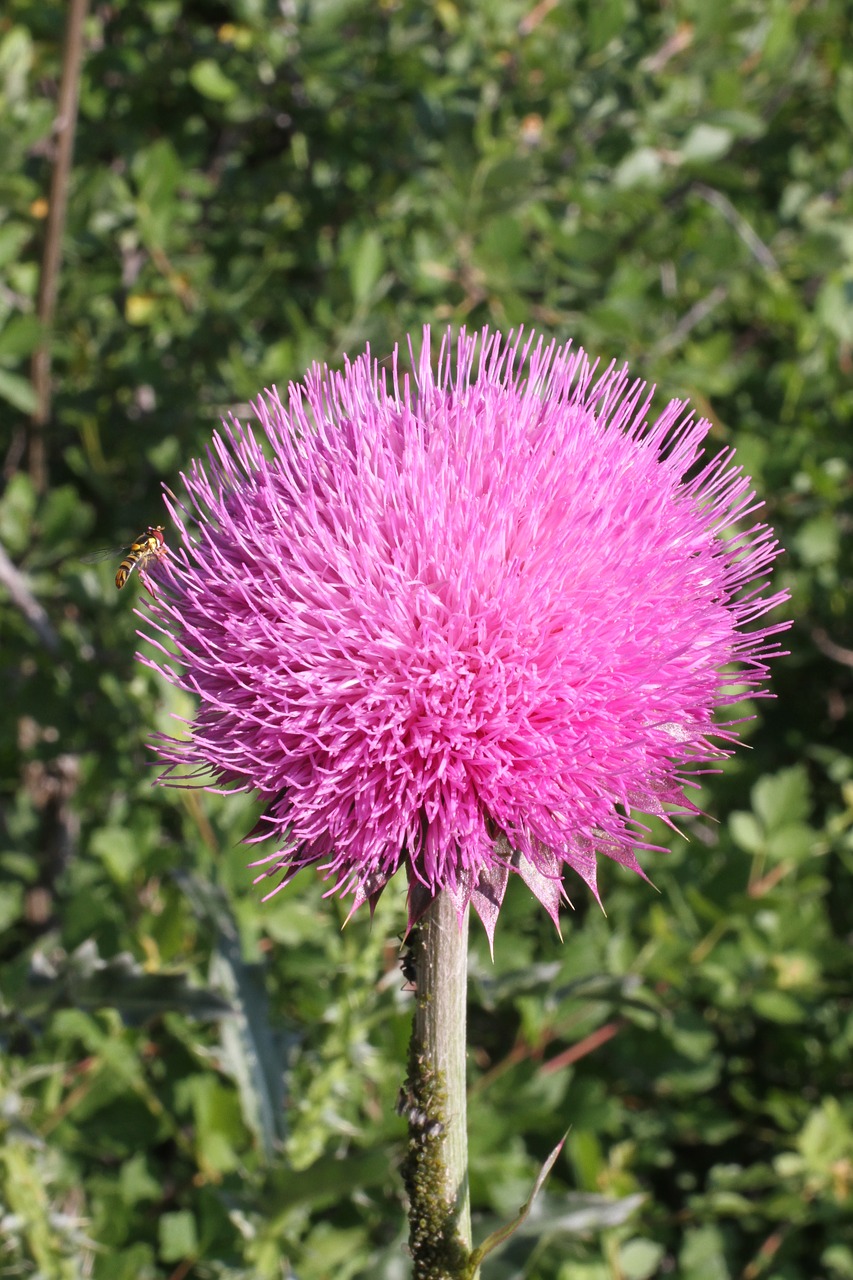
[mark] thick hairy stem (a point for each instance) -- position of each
(433, 1100)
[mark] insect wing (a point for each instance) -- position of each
(114, 550)
(102, 554)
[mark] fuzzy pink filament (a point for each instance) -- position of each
(468, 621)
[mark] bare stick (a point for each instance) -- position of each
(22, 597)
(64, 128)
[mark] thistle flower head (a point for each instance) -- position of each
(469, 620)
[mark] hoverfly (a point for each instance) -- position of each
(150, 545)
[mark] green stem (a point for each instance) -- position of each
(434, 1100)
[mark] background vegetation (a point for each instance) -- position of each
(258, 185)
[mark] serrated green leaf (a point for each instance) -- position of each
(782, 798)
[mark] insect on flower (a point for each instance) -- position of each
(150, 545)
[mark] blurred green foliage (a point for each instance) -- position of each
(258, 185)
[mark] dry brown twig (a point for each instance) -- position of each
(64, 129)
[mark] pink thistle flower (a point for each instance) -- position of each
(468, 622)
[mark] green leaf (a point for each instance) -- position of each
(747, 832)
(18, 506)
(782, 798)
(17, 391)
(16, 56)
(817, 540)
(13, 237)
(794, 842)
(218, 1133)
(19, 336)
(706, 142)
(83, 980)
(826, 1140)
(703, 1256)
(208, 79)
(119, 850)
(557, 1216)
(778, 1007)
(11, 904)
(606, 20)
(177, 1236)
(366, 259)
(326, 1181)
(253, 1054)
(641, 168)
(639, 1259)
(844, 95)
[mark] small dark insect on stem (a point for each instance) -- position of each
(422, 1127)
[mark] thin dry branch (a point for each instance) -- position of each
(64, 129)
(22, 597)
